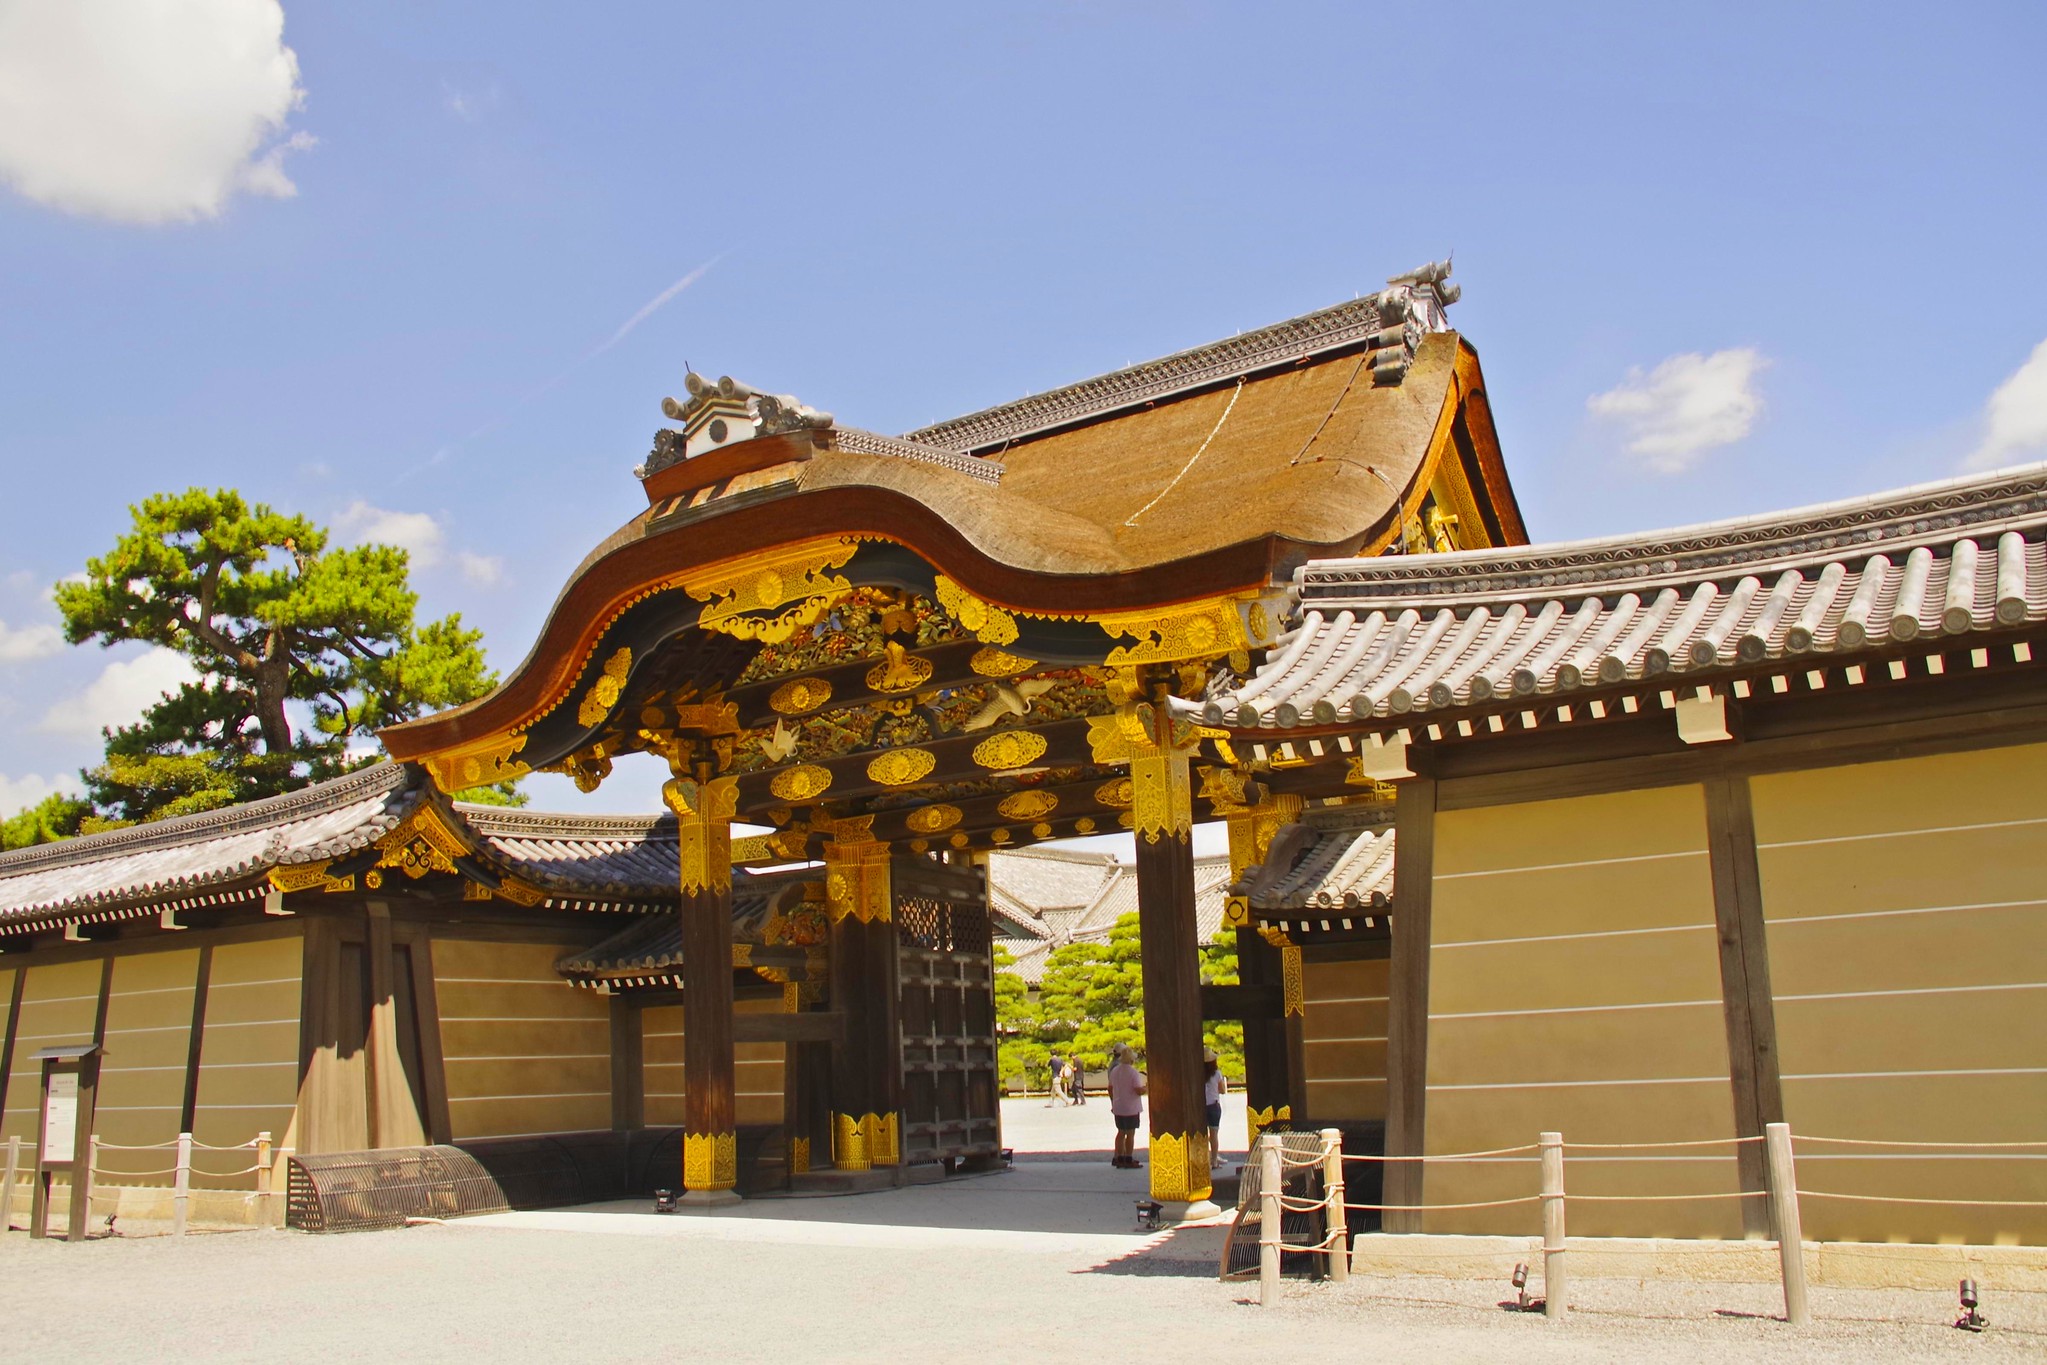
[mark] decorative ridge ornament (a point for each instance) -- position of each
(725, 412)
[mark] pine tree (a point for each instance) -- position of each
(300, 649)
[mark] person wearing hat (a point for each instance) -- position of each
(1126, 1104)
(1212, 1086)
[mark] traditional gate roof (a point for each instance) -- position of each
(1444, 638)
(318, 836)
(919, 630)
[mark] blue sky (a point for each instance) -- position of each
(1797, 248)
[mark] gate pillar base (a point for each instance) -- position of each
(1174, 1212)
(706, 1201)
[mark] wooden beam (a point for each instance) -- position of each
(1407, 1006)
(1744, 984)
(813, 1026)
(1066, 746)
(950, 667)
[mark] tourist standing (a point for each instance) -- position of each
(1076, 1081)
(1058, 1069)
(1126, 1104)
(1213, 1084)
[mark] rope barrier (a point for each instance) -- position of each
(106, 1146)
(1437, 1208)
(167, 1170)
(1890, 1142)
(1638, 1146)
(1907, 1199)
(1664, 1198)
(1444, 1156)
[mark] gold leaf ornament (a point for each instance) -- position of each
(987, 621)
(1009, 749)
(990, 662)
(804, 782)
(901, 767)
(1117, 793)
(1028, 805)
(604, 693)
(899, 672)
(799, 695)
(933, 819)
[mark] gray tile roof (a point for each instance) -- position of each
(650, 947)
(1385, 638)
(1324, 866)
(223, 855)
(582, 856)
(196, 859)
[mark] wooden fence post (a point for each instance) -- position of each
(82, 1185)
(1271, 1181)
(1335, 1219)
(1783, 1183)
(7, 1186)
(263, 1179)
(181, 1186)
(1554, 1277)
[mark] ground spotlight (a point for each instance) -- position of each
(1148, 1211)
(664, 1201)
(1523, 1302)
(1970, 1320)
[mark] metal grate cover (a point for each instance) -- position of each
(361, 1191)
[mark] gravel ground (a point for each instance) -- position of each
(511, 1295)
(1040, 1263)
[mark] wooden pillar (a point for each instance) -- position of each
(704, 807)
(628, 1067)
(1272, 1070)
(867, 1066)
(1172, 1017)
(394, 1114)
(1744, 986)
(1407, 1005)
(1268, 1083)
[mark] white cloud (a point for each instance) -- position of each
(19, 793)
(417, 533)
(19, 644)
(120, 694)
(1686, 406)
(2015, 418)
(485, 571)
(146, 111)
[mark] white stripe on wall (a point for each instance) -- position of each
(1583, 1009)
(1589, 933)
(1583, 862)
(1916, 990)
(1894, 833)
(1554, 1085)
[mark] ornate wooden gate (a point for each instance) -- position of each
(946, 978)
